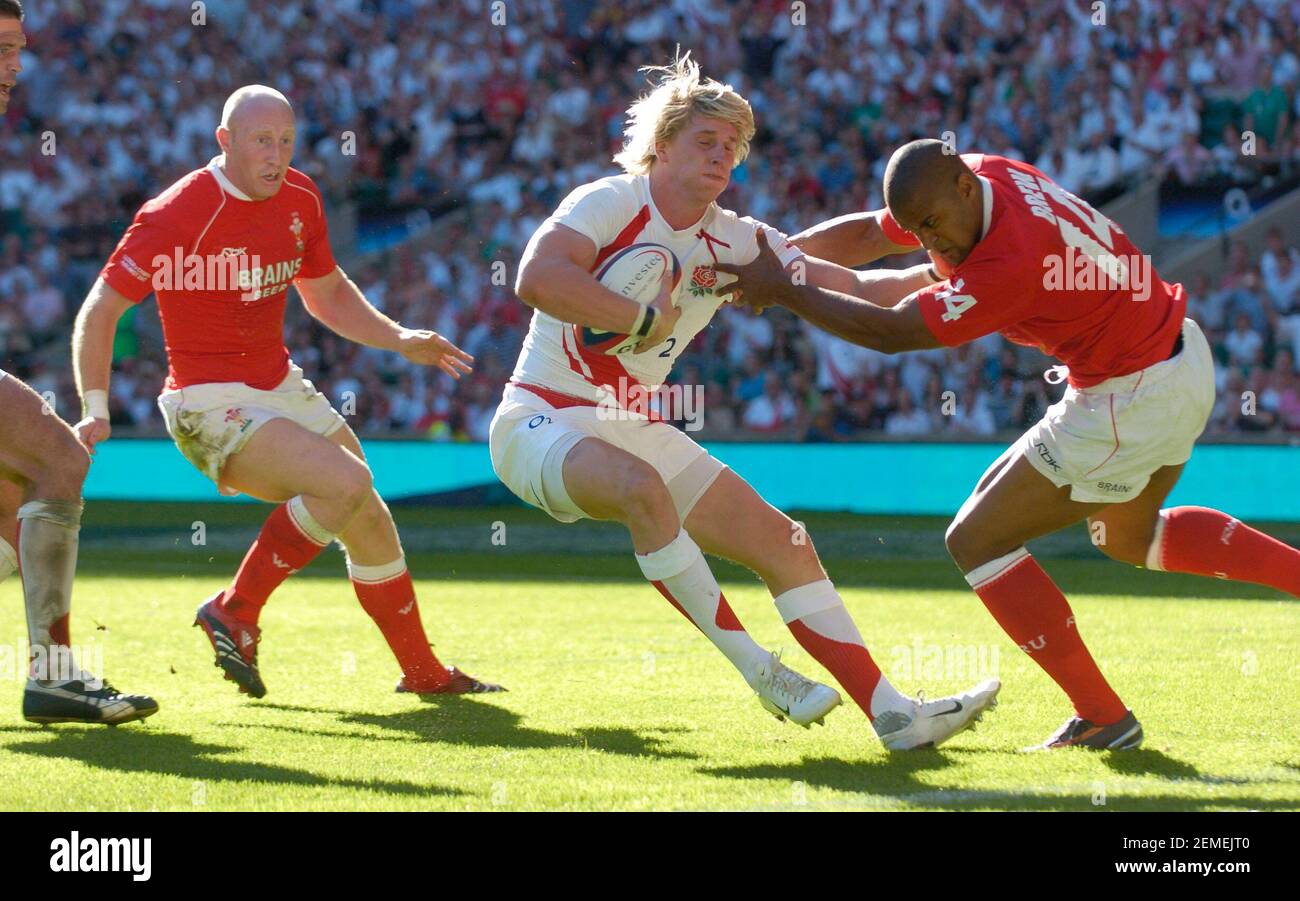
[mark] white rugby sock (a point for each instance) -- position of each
(47, 547)
(682, 575)
(820, 623)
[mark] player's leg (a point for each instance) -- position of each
(11, 498)
(731, 520)
(39, 451)
(1194, 540)
(1015, 503)
(377, 568)
(314, 503)
(609, 483)
(574, 465)
(41, 455)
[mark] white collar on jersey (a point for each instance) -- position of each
(702, 222)
(214, 166)
(988, 204)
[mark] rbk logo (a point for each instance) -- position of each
(407, 609)
(1047, 456)
(275, 558)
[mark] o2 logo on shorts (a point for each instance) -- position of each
(539, 419)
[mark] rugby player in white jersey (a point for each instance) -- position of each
(555, 448)
(42, 468)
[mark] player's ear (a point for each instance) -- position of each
(968, 184)
(223, 138)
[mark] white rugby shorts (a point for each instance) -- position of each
(212, 422)
(530, 437)
(1106, 441)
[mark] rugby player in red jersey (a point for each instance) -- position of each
(220, 248)
(42, 468)
(1025, 258)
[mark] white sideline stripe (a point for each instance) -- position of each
(987, 572)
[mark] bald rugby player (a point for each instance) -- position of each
(1015, 253)
(219, 249)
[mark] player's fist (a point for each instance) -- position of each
(666, 316)
(91, 431)
(431, 349)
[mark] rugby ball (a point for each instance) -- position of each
(636, 272)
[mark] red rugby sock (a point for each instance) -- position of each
(1031, 609)
(1206, 542)
(387, 593)
(289, 540)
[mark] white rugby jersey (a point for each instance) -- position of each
(614, 213)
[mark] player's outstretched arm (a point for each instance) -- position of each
(882, 287)
(555, 277)
(852, 240)
(337, 302)
(92, 358)
(888, 328)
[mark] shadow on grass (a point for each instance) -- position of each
(895, 778)
(1149, 762)
(136, 750)
(461, 721)
(892, 775)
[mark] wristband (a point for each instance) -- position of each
(647, 323)
(94, 403)
(933, 274)
(640, 320)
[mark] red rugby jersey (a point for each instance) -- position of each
(221, 263)
(1051, 272)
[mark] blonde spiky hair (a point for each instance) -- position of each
(661, 114)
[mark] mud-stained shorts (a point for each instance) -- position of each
(212, 422)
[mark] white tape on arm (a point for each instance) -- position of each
(95, 403)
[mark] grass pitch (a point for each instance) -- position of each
(615, 702)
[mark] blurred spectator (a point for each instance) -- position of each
(772, 410)
(909, 421)
(1244, 344)
(494, 125)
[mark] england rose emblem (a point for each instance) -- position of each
(703, 281)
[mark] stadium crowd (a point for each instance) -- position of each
(488, 124)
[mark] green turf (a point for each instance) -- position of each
(616, 702)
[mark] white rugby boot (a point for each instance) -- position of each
(934, 722)
(787, 695)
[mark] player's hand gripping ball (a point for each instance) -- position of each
(649, 274)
